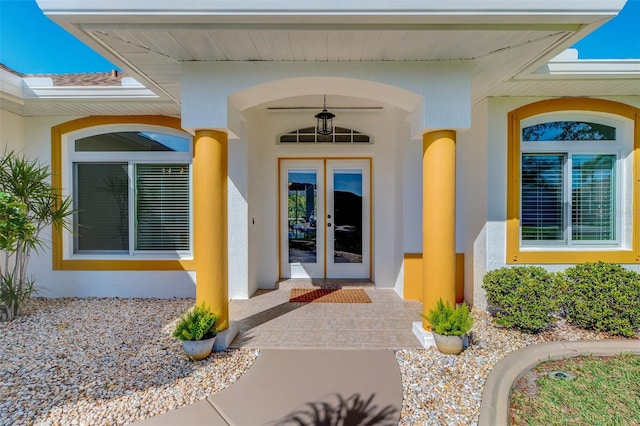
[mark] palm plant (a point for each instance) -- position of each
(30, 205)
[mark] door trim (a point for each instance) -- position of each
(279, 212)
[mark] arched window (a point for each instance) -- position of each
(131, 188)
(571, 182)
(309, 135)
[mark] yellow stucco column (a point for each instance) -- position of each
(438, 219)
(210, 220)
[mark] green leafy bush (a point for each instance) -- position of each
(197, 324)
(603, 297)
(449, 321)
(28, 206)
(524, 297)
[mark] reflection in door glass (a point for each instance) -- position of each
(302, 213)
(347, 210)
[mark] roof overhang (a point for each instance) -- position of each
(507, 41)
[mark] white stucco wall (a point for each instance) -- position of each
(264, 127)
(471, 199)
(253, 180)
(237, 219)
(11, 132)
(439, 93)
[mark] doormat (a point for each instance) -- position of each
(329, 295)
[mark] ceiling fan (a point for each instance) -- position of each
(302, 108)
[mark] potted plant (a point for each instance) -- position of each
(449, 326)
(197, 330)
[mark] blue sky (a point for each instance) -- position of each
(31, 43)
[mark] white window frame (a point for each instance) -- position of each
(70, 156)
(621, 147)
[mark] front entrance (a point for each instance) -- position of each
(325, 218)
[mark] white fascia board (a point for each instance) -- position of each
(587, 68)
(399, 11)
(11, 86)
(89, 92)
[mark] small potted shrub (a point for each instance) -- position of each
(449, 326)
(197, 330)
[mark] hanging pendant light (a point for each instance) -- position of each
(324, 119)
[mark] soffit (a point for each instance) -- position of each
(497, 52)
(503, 39)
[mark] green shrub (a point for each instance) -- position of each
(524, 297)
(603, 297)
(449, 321)
(197, 324)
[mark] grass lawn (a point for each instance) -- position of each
(603, 391)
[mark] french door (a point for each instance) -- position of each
(325, 218)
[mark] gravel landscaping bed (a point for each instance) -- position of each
(113, 361)
(103, 362)
(447, 389)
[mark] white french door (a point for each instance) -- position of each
(325, 217)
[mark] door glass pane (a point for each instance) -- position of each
(592, 198)
(302, 213)
(102, 204)
(542, 197)
(347, 210)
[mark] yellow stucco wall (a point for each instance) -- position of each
(413, 277)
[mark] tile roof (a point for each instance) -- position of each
(112, 78)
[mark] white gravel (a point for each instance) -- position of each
(103, 362)
(443, 389)
(113, 361)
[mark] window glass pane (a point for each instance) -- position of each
(542, 217)
(133, 141)
(347, 220)
(102, 204)
(568, 131)
(289, 138)
(592, 197)
(361, 138)
(307, 138)
(302, 211)
(162, 207)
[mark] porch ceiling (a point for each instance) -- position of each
(503, 39)
(498, 53)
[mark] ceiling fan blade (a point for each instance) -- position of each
(320, 108)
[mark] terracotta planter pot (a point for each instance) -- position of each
(452, 345)
(198, 349)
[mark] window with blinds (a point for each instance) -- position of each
(542, 215)
(162, 207)
(568, 189)
(593, 197)
(132, 193)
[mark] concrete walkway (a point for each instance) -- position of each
(286, 385)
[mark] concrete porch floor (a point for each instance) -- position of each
(268, 320)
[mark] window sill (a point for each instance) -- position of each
(122, 263)
(572, 256)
